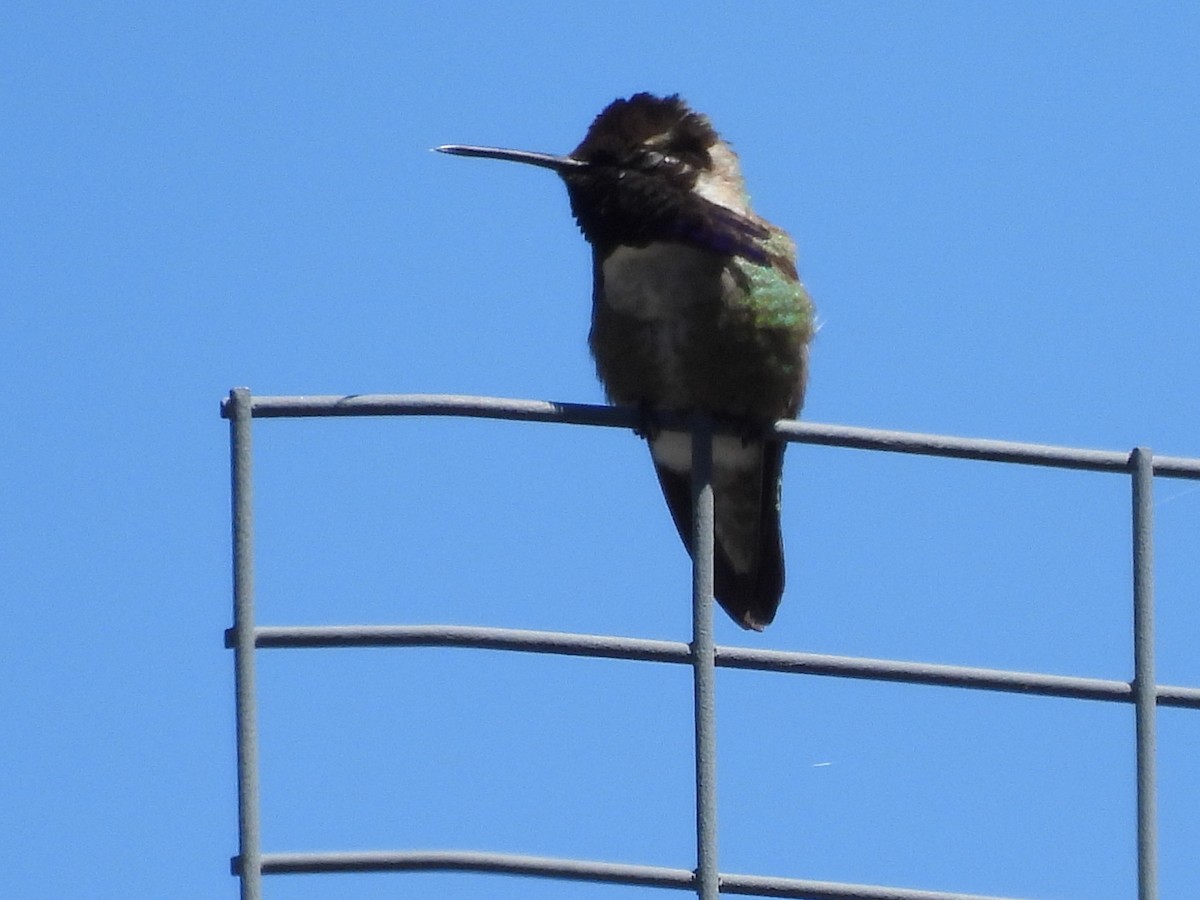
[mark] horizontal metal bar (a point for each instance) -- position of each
(559, 643)
(980, 449)
(457, 405)
(1180, 697)
(607, 647)
(787, 429)
(583, 870)
(471, 861)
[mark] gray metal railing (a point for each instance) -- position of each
(706, 881)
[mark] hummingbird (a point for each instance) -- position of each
(696, 307)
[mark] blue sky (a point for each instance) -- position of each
(998, 215)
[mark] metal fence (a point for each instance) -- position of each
(706, 881)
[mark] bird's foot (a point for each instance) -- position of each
(648, 425)
(748, 431)
(751, 433)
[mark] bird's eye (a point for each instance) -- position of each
(649, 160)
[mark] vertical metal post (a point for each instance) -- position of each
(243, 644)
(703, 656)
(1144, 685)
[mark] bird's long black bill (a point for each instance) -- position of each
(530, 157)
